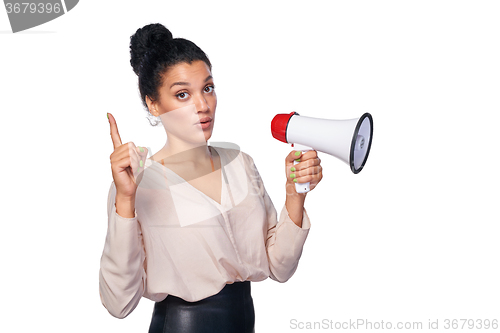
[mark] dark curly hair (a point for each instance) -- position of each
(152, 52)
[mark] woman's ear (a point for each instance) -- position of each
(151, 106)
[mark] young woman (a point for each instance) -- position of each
(193, 225)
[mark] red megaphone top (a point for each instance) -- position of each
(279, 125)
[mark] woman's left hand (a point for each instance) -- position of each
(307, 170)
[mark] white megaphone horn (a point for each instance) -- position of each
(349, 140)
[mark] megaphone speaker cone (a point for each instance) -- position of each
(361, 143)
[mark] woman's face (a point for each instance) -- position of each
(187, 97)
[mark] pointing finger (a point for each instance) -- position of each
(115, 136)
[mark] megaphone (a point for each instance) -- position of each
(349, 140)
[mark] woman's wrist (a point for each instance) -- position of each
(125, 206)
(295, 205)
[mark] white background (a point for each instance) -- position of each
(413, 237)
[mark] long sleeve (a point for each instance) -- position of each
(285, 240)
(284, 244)
(122, 275)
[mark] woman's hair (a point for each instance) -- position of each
(152, 52)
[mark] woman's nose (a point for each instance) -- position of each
(201, 103)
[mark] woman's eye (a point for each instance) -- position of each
(182, 95)
(209, 89)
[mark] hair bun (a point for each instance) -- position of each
(146, 39)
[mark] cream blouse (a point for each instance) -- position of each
(183, 243)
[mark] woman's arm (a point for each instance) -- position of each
(122, 277)
(285, 238)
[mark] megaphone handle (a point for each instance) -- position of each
(301, 187)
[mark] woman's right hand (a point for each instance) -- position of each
(127, 163)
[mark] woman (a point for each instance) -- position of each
(192, 226)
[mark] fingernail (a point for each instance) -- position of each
(138, 169)
(141, 149)
(297, 160)
(292, 175)
(141, 164)
(293, 169)
(295, 180)
(297, 153)
(107, 115)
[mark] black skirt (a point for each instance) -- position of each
(229, 311)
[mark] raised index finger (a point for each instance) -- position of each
(115, 136)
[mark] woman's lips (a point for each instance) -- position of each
(205, 122)
(205, 119)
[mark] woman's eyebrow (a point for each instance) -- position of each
(180, 83)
